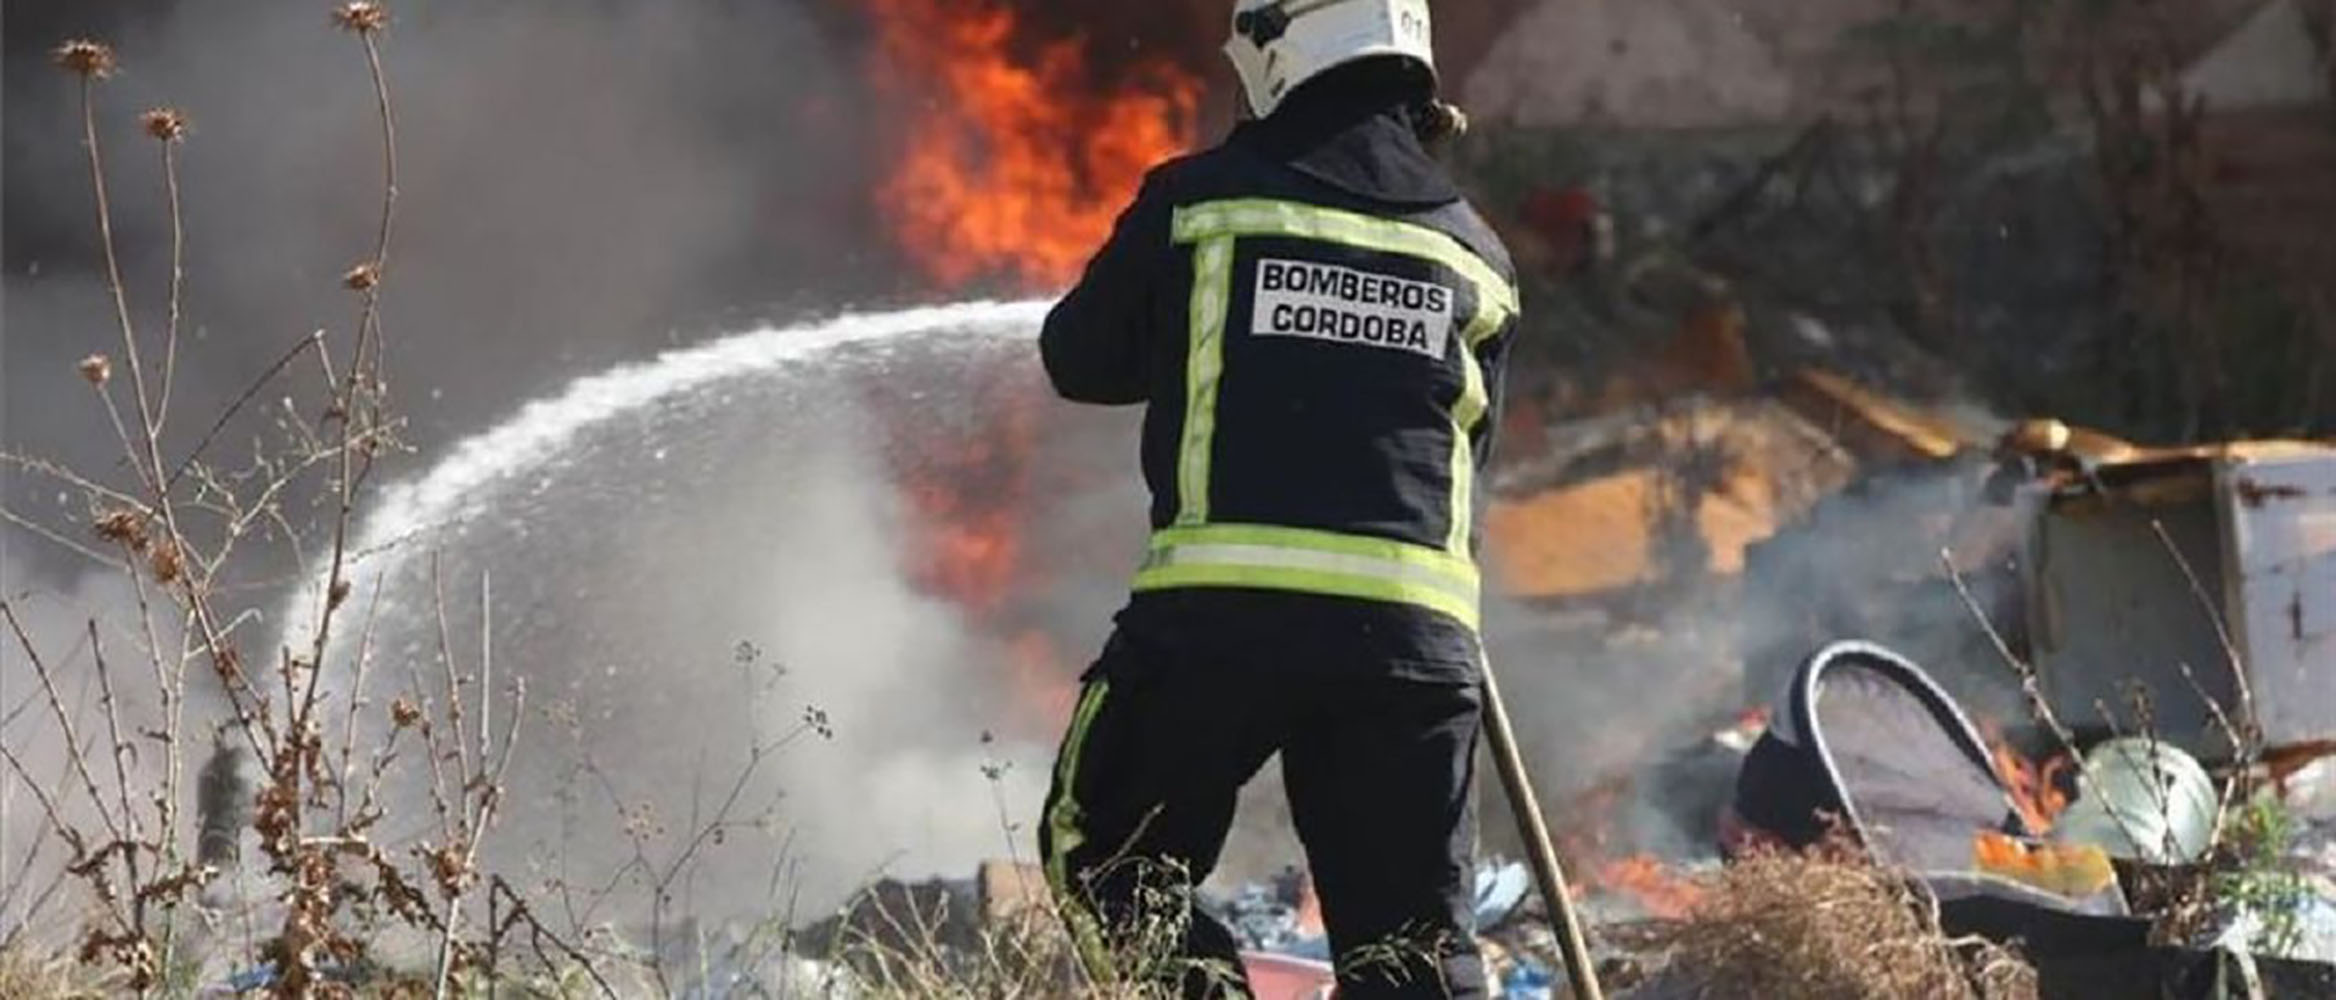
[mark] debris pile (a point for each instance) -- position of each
(1779, 925)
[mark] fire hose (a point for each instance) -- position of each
(1549, 876)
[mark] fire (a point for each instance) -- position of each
(2035, 788)
(970, 554)
(1655, 886)
(2068, 869)
(1592, 828)
(1016, 162)
(1043, 690)
(967, 492)
(967, 487)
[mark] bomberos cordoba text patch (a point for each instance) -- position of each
(1347, 306)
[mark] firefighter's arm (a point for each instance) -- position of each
(1492, 358)
(1097, 339)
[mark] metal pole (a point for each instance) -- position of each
(1543, 856)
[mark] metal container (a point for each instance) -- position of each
(2110, 606)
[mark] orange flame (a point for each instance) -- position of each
(1663, 893)
(1594, 821)
(1015, 165)
(1043, 690)
(965, 488)
(970, 556)
(2034, 788)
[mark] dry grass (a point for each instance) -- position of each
(27, 976)
(1825, 928)
(903, 949)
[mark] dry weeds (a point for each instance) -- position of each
(164, 124)
(26, 976)
(1825, 928)
(361, 16)
(1028, 955)
(87, 59)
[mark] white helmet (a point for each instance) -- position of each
(1279, 44)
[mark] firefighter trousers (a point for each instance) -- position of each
(1378, 764)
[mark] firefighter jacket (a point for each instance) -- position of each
(1318, 324)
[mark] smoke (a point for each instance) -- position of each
(1617, 707)
(577, 180)
(698, 566)
(59, 622)
(1866, 564)
(1191, 34)
(581, 182)
(773, 614)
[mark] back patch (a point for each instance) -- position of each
(1346, 306)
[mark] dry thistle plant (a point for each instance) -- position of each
(362, 16)
(97, 369)
(362, 278)
(164, 124)
(87, 59)
(185, 536)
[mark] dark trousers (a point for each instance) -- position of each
(1378, 761)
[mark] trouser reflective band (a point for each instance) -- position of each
(1062, 821)
(1065, 832)
(1313, 562)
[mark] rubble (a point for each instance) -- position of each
(1581, 524)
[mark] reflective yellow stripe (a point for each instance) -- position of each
(1066, 834)
(1474, 400)
(1317, 562)
(1062, 821)
(1496, 297)
(1212, 296)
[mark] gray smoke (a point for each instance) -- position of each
(578, 181)
(58, 620)
(1603, 699)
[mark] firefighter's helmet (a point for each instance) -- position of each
(1279, 44)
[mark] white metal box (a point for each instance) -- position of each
(2113, 611)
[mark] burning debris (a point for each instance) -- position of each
(2012, 832)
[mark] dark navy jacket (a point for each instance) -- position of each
(1319, 325)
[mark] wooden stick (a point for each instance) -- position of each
(1542, 854)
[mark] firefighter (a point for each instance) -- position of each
(1318, 325)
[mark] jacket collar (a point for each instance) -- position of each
(1364, 147)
